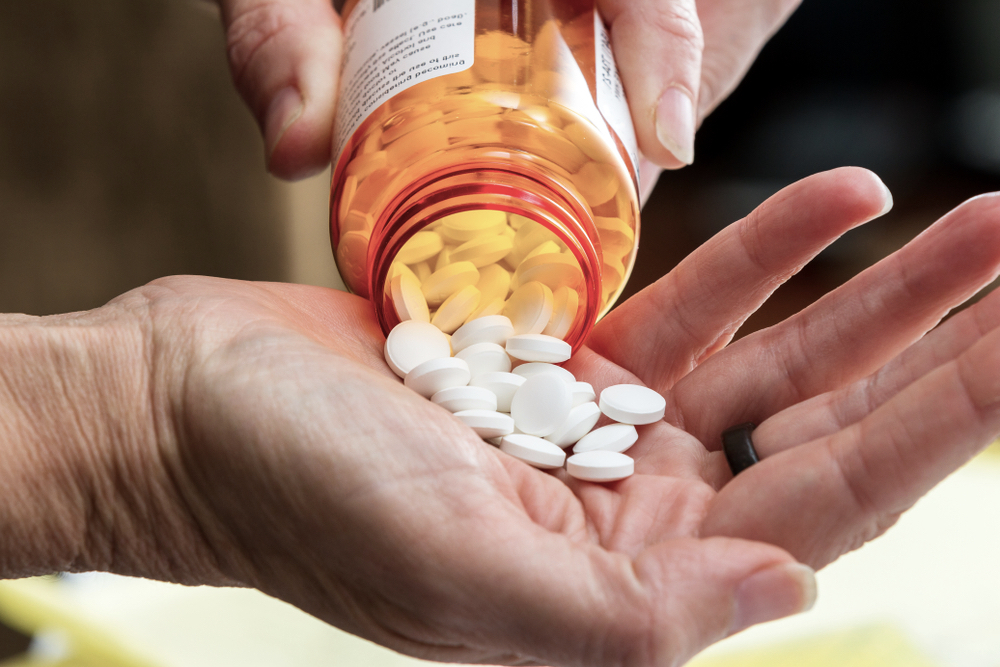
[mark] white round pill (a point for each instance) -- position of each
(407, 298)
(541, 405)
(581, 419)
(600, 466)
(434, 375)
(539, 347)
(413, 342)
(487, 424)
(536, 368)
(530, 308)
(492, 329)
(566, 302)
(502, 385)
(485, 358)
(583, 392)
(457, 399)
(534, 451)
(610, 438)
(632, 404)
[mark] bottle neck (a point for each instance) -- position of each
(488, 185)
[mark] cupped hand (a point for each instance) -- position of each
(313, 474)
(678, 59)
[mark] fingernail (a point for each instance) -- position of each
(773, 593)
(888, 199)
(675, 123)
(285, 109)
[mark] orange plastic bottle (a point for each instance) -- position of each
(488, 134)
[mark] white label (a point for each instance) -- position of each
(611, 93)
(392, 45)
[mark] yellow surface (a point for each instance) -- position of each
(870, 646)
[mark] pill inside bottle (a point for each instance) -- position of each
(485, 164)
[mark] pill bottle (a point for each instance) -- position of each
(484, 157)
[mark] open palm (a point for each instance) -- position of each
(314, 475)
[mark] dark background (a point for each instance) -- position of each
(907, 88)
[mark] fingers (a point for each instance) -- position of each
(542, 598)
(829, 496)
(658, 47)
(670, 327)
(735, 31)
(852, 331)
(285, 59)
(828, 413)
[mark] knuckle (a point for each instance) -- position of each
(678, 21)
(251, 31)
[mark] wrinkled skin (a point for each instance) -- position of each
(287, 456)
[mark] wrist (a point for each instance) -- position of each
(84, 427)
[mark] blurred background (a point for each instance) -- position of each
(126, 155)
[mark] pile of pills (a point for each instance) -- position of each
(480, 263)
(507, 387)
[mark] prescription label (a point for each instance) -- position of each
(392, 45)
(611, 99)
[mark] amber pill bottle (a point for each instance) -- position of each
(462, 123)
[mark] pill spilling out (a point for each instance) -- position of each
(533, 413)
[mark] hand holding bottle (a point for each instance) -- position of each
(678, 59)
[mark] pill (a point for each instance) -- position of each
(552, 269)
(541, 405)
(532, 450)
(493, 329)
(413, 342)
(632, 404)
(441, 284)
(610, 438)
(422, 271)
(457, 399)
(421, 247)
(494, 282)
(456, 309)
(366, 163)
(433, 375)
(397, 268)
(587, 138)
(579, 423)
(487, 424)
(529, 308)
(565, 303)
(529, 236)
(582, 392)
(539, 347)
(600, 466)
(502, 385)
(597, 182)
(443, 259)
(486, 309)
(485, 358)
(407, 298)
(483, 251)
(516, 221)
(346, 197)
(547, 248)
(537, 368)
(468, 225)
(417, 145)
(352, 251)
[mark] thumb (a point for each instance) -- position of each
(284, 56)
(658, 46)
(573, 604)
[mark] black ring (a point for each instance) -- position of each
(738, 445)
